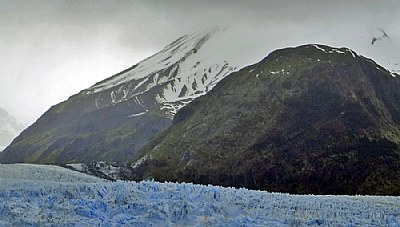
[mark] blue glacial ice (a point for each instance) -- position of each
(55, 196)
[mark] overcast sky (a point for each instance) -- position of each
(52, 49)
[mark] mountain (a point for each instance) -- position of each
(114, 118)
(310, 119)
(9, 128)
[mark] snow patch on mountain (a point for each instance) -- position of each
(335, 50)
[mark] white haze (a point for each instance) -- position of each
(50, 50)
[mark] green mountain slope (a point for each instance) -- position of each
(311, 119)
(76, 131)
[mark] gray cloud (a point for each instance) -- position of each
(51, 49)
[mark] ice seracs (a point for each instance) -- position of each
(34, 195)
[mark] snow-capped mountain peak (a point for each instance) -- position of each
(184, 70)
(176, 52)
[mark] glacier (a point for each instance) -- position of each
(38, 195)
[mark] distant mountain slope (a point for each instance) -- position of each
(311, 119)
(113, 119)
(9, 128)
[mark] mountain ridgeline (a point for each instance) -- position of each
(310, 119)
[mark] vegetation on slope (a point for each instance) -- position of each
(302, 120)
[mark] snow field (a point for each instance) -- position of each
(86, 201)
